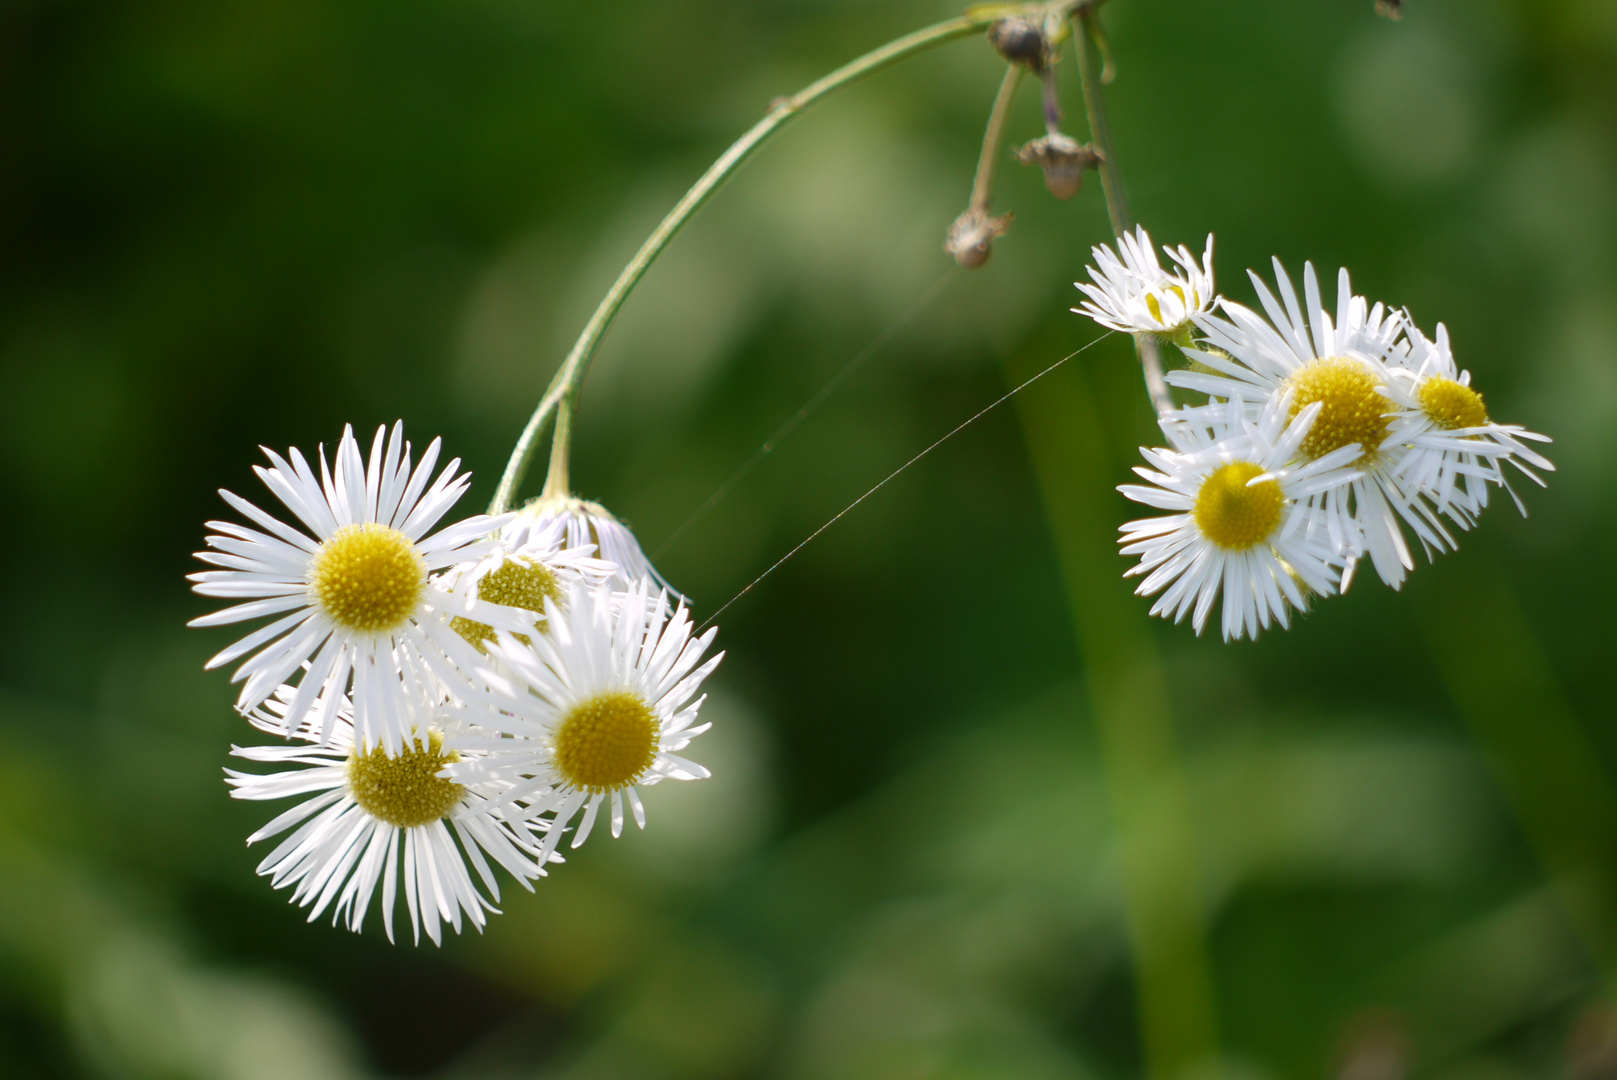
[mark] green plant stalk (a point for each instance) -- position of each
(565, 384)
(982, 184)
(1123, 671)
(1139, 753)
(1536, 746)
(1086, 33)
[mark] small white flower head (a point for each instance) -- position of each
(353, 596)
(598, 707)
(1341, 364)
(1455, 449)
(1135, 295)
(532, 566)
(585, 523)
(366, 811)
(1242, 521)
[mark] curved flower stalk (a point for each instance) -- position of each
(597, 708)
(354, 595)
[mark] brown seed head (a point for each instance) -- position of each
(971, 238)
(1063, 160)
(1020, 40)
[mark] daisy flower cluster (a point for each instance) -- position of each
(448, 698)
(1325, 436)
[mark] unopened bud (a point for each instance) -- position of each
(971, 237)
(1020, 40)
(1063, 160)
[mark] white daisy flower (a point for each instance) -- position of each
(1242, 522)
(531, 563)
(1456, 451)
(1134, 294)
(353, 596)
(368, 809)
(1342, 365)
(596, 708)
(587, 523)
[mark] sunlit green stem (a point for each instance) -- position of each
(1162, 893)
(982, 185)
(561, 450)
(565, 384)
(1161, 890)
(1534, 741)
(1086, 34)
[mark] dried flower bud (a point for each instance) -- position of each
(1390, 9)
(971, 237)
(1063, 160)
(1020, 40)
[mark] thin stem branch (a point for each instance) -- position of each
(565, 383)
(982, 187)
(556, 477)
(1052, 101)
(1086, 33)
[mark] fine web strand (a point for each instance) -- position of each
(890, 476)
(930, 294)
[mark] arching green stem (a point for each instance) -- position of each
(564, 386)
(1162, 893)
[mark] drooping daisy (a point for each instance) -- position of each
(1135, 295)
(1243, 520)
(587, 523)
(369, 810)
(1342, 365)
(530, 564)
(596, 708)
(1456, 450)
(353, 596)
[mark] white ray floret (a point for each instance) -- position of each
(1243, 521)
(371, 818)
(586, 523)
(597, 707)
(1342, 364)
(1133, 294)
(530, 563)
(352, 596)
(1455, 450)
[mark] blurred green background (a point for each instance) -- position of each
(230, 224)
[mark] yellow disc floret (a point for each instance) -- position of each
(404, 790)
(519, 583)
(606, 742)
(1155, 305)
(1234, 513)
(368, 578)
(1353, 412)
(1452, 404)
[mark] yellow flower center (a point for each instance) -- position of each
(405, 790)
(1155, 305)
(1233, 514)
(519, 583)
(1353, 412)
(606, 742)
(1452, 404)
(368, 578)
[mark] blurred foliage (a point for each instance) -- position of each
(225, 225)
